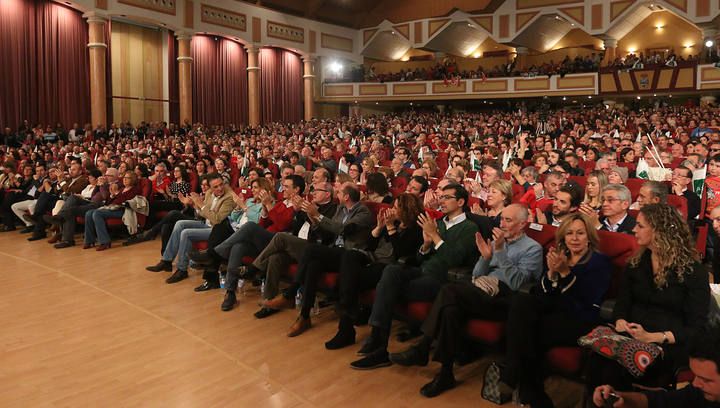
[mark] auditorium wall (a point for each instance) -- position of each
(138, 73)
(674, 33)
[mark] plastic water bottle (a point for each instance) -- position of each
(241, 285)
(262, 287)
(222, 280)
(316, 307)
(298, 300)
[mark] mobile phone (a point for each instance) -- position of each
(610, 400)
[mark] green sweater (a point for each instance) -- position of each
(458, 249)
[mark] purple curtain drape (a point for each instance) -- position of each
(281, 86)
(173, 80)
(44, 74)
(219, 81)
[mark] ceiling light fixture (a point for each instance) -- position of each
(709, 43)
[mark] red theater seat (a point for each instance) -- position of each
(485, 331)
(566, 360)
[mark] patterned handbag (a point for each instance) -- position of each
(630, 353)
(491, 390)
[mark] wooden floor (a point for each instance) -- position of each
(87, 329)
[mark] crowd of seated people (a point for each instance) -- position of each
(449, 70)
(655, 60)
(441, 210)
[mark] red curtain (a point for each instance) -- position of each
(44, 75)
(173, 80)
(281, 86)
(219, 81)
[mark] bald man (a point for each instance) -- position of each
(506, 262)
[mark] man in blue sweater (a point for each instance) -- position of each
(511, 260)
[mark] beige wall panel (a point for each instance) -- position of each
(535, 84)
(490, 86)
(375, 89)
(441, 88)
(576, 82)
(408, 89)
(664, 79)
(626, 84)
(607, 83)
(709, 74)
(338, 90)
(685, 78)
(137, 73)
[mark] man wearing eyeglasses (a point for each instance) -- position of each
(448, 243)
(681, 179)
(616, 200)
(286, 248)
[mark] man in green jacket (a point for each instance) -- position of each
(448, 243)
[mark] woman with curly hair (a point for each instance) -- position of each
(664, 298)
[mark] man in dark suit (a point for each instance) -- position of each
(681, 179)
(616, 200)
(350, 227)
(400, 178)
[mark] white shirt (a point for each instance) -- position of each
(614, 227)
(449, 224)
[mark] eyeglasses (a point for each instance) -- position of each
(320, 189)
(610, 199)
(448, 197)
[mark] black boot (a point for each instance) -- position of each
(345, 335)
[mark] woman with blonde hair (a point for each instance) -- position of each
(558, 310)
(499, 196)
(431, 167)
(596, 181)
(664, 299)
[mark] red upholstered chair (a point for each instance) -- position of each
(680, 203)
(194, 181)
(518, 191)
(200, 245)
(588, 166)
(375, 207)
(579, 180)
(433, 182)
(545, 205)
(701, 243)
(634, 184)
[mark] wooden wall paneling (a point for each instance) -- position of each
(596, 16)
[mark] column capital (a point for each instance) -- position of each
(252, 48)
(610, 43)
(309, 58)
(521, 50)
(183, 35)
(95, 17)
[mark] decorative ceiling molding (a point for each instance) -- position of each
(163, 6)
(222, 17)
(576, 13)
(435, 25)
(521, 20)
(617, 8)
(404, 30)
(285, 32)
(368, 34)
(486, 22)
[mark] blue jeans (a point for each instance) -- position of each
(184, 233)
(95, 228)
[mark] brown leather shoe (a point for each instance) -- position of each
(278, 302)
(55, 238)
(299, 327)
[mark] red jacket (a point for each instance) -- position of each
(279, 218)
